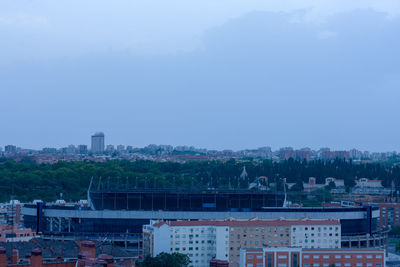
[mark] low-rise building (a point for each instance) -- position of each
(306, 257)
(372, 187)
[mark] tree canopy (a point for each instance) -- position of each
(166, 260)
(27, 180)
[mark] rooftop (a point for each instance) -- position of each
(249, 223)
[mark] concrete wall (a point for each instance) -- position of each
(222, 243)
(162, 239)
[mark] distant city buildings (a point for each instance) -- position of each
(110, 149)
(82, 149)
(97, 143)
(10, 149)
(330, 155)
(295, 154)
(181, 154)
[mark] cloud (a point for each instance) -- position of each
(326, 34)
(65, 29)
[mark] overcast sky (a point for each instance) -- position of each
(214, 74)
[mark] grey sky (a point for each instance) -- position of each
(214, 74)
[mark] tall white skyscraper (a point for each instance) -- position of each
(98, 143)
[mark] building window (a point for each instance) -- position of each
(306, 256)
(295, 260)
(359, 256)
(326, 264)
(249, 265)
(282, 265)
(250, 257)
(282, 257)
(338, 256)
(359, 264)
(347, 264)
(269, 260)
(316, 257)
(378, 256)
(326, 257)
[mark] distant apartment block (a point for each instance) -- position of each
(98, 143)
(49, 150)
(306, 257)
(295, 154)
(10, 213)
(82, 149)
(10, 149)
(389, 215)
(120, 148)
(223, 240)
(371, 187)
(329, 155)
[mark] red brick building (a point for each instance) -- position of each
(389, 215)
(298, 257)
(86, 257)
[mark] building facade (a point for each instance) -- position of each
(98, 143)
(302, 257)
(223, 240)
(389, 215)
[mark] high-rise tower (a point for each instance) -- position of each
(98, 143)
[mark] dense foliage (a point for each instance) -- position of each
(26, 180)
(166, 260)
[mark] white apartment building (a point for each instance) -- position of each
(316, 236)
(202, 242)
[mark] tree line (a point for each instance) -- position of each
(26, 180)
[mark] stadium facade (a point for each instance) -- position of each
(123, 212)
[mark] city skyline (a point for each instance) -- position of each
(115, 145)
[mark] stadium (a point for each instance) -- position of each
(119, 214)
